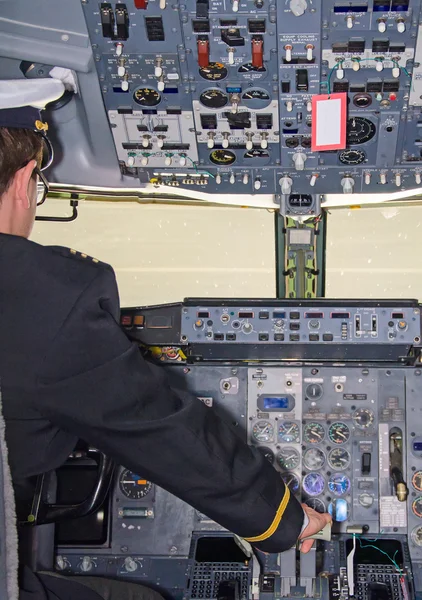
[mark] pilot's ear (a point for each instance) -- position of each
(21, 184)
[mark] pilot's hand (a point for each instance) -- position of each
(317, 521)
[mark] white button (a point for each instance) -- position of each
(367, 178)
(288, 53)
(121, 71)
(210, 142)
(161, 85)
(289, 106)
(257, 184)
(245, 178)
(235, 5)
(232, 179)
(162, 4)
(395, 72)
(225, 142)
(119, 49)
(182, 161)
(168, 161)
(340, 73)
(130, 161)
(356, 65)
(144, 161)
(298, 7)
(264, 143)
(145, 141)
(418, 178)
(309, 106)
(379, 65)
(124, 85)
(397, 179)
(218, 179)
(313, 180)
(249, 144)
(383, 178)
(349, 22)
(309, 52)
(160, 142)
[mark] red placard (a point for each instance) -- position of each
(329, 119)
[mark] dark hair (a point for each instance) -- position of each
(17, 148)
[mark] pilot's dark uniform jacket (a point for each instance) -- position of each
(69, 372)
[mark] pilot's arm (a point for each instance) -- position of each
(95, 384)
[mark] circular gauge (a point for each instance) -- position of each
(291, 481)
(249, 68)
(222, 157)
(416, 536)
(146, 97)
(213, 72)
(363, 418)
(366, 500)
(352, 157)
(288, 432)
(313, 484)
(256, 153)
(263, 431)
(314, 459)
(255, 98)
(267, 453)
(417, 481)
(339, 510)
(288, 458)
(339, 459)
(359, 130)
(417, 506)
(339, 433)
(313, 433)
(213, 98)
(339, 484)
(313, 391)
(133, 486)
(316, 504)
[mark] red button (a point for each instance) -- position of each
(126, 320)
(393, 97)
(141, 4)
(203, 53)
(257, 53)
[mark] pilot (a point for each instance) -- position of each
(69, 372)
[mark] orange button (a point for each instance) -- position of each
(139, 320)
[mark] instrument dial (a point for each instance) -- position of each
(313, 484)
(133, 486)
(314, 459)
(363, 418)
(417, 506)
(288, 432)
(288, 458)
(263, 431)
(313, 391)
(359, 130)
(339, 459)
(255, 98)
(222, 157)
(417, 481)
(146, 97)
(316, 504)
(213, 98)
(256, 153)
(352, 157)
(213, 72)
(339, 484)
(339, 433)
(267, 453)
(291, 481)
(416, 536)
(313, 433)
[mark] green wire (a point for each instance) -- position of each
(382, 551)
(338, 64)
(195, 166)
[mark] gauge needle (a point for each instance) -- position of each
(289, 430)
(289, 457)
(316, 433)
(341, 434)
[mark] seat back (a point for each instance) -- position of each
(8, 532)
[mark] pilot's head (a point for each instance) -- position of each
(24, 152)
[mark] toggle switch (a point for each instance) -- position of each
(144, 160)
(367, 178)
(232, 179)
(130, 160)
(119, 48)
(365, 468)
(124, 84)
(383, 178)
(382, 25)
(264, 140)
(218, 179)
(145, 141)
(225, 142)
(288, 48)
(397, 179)
(245, 179)
(309, 106)
(161, 85)
(235, 5)
(160, 141)
(401, 25)
(210, 141)
(289, 105)
(379, 65)
(182, 160)
(168, 160)
(158, 69)
(203, 46)
(356, 64)
(313, 180)
(309, 51)
(258, 52)
(249, 142)
(349, 21)
(231, 52)
(257, 184)
(418, 178)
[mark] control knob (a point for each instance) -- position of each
(247, 327)
(347, 184)
(299, 160)
(286, 185)
(87, 564)
(130, 564)
(62, 563)
(298, 7)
